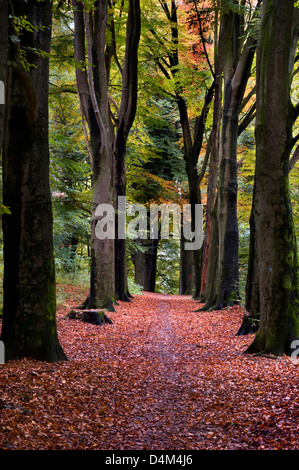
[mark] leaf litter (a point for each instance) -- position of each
(162, 376)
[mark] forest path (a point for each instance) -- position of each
(161, 377)
(180, 378)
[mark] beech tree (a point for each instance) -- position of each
(210, 242)
(109, 124)
(238, 45)
(272, 282)
(29, 288)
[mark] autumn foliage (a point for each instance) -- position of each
(161, 376)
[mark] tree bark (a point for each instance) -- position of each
(251, 316)
(145, 264)
(273, 264)
(29, 303)
(210, 293)
(125, 120)
(210, 251)
(187, 274)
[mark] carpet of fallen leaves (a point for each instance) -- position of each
(163, 376)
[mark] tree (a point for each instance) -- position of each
(272, 289)
(108, 132)
(210, 242)
(125, 119)
(238, 50)
(29, 305)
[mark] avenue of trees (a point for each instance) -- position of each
(159, 101)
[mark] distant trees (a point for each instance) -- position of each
(156, 176)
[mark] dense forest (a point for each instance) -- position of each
(149, 187)
(120, 104)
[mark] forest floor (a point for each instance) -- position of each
(163, 376)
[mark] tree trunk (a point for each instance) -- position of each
(102, 276)
(251, 316)
(126, 118)
(151, 265)
(3, 62)
(138, 259)
(194, 199)
(186, 269)
(210, 293)
(29, 305)
(273, 235)
(145, 264)
(210, 252)
(228, 273)
(191, 152)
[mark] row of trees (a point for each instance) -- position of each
(110, 43)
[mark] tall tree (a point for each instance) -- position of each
(29, 304)
(125, 119)
(92, 86)
(108, 133)
(239, 45)
(273, 265)
(210, 242)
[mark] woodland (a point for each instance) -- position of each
(135, 342)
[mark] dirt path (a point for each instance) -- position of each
(161, 377)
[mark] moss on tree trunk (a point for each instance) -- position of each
(29, 305)
(273, 264)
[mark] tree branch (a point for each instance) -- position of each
(200, 122)
(112, 30)
(296, 111)
(248, 118)
(130, 76)
(79, 52)
(248, 97)
(91, 84)
(203, 39)
(205, 162)
(294, 158)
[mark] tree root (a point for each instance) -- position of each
(95, 317)
(249, 325)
